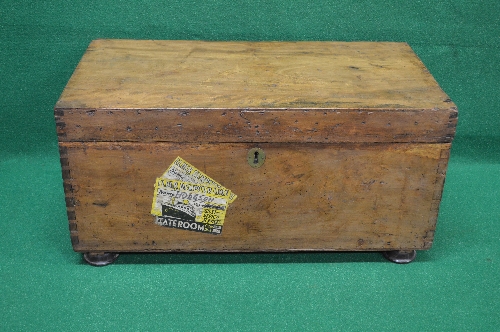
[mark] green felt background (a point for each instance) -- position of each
(45, 286)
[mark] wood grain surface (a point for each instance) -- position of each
(147, 74)
(304, 197)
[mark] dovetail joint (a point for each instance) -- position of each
(71, 201)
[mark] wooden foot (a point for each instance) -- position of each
(400, 256)
(100, 258)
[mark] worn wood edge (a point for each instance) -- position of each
(447, 134)
(243, 250)
(60, 124)
(101, 40)
(133, 145)
(437, 197)
(451, 108)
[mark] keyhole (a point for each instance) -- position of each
(256, 157)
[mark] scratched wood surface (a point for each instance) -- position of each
(304, 197)
(270, 125)
(197, 74)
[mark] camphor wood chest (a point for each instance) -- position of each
(327, 145)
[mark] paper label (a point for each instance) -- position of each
(186, 198)
(183, 171)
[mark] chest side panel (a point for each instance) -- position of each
(304, 197)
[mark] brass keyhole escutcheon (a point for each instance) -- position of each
(256, 157)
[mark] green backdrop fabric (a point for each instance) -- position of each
(45, 286)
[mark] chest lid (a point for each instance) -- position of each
(180, 91)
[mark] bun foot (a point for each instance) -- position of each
(100, 258)
(400, 256)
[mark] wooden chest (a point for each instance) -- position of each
(270, 146)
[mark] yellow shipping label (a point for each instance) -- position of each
(189, 206)
(183, 171)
